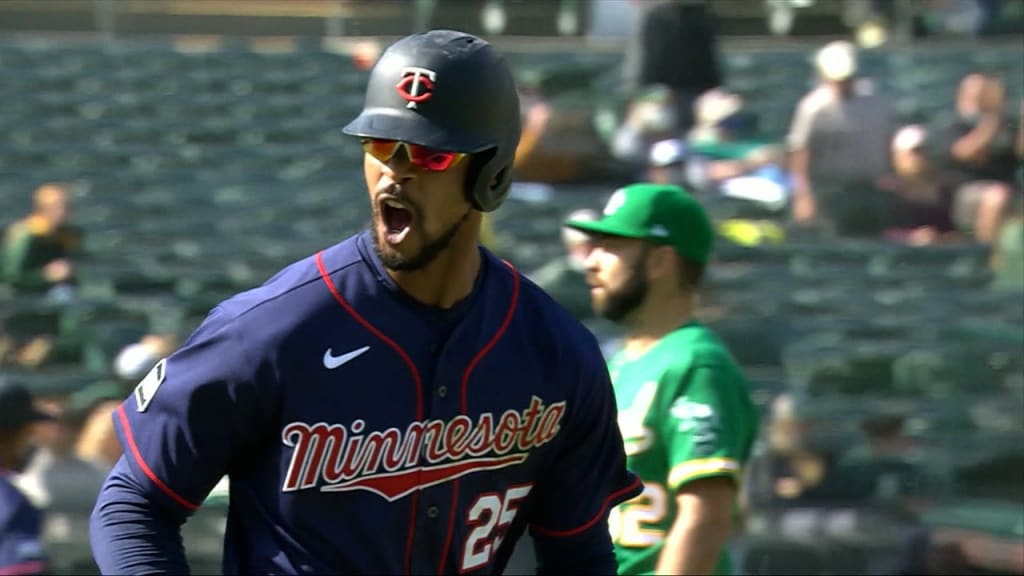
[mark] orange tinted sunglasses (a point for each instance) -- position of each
(420, 156)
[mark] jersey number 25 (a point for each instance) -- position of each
(490, 516)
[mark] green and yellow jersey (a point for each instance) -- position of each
(685, 413)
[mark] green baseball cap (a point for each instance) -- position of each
(659, 213)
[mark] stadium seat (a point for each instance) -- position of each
(782, 558)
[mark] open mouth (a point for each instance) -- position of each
(397, 220)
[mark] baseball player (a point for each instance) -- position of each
(685, 410)
(401, 402)
(21, 547)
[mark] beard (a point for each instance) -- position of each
(431, 249)
(621, 302)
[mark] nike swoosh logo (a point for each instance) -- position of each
(331, 361)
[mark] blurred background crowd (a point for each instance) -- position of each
(862, 161)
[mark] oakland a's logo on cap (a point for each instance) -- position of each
(616, 201)
(416, 85)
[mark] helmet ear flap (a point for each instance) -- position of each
(488, 180)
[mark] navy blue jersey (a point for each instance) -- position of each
(364, 432)
(21, 546)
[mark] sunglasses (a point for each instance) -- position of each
(420, 156)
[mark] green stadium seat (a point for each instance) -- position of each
(753, 341)
(56, 380)
(999, 518)
(782, 558)
(29, 316)
(837, 364)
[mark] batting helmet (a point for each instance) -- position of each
(450, 91)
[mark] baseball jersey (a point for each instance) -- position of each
(21, 546)
(363, 432)
(685, 413)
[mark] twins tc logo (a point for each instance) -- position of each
(416, 85)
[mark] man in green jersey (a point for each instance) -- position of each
(685, 410)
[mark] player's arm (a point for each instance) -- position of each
(130, 534)
(194, 418)
(708, 443)
(589, 477)
(701, 528)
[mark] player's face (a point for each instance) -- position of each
(617, 276)
(418, 202)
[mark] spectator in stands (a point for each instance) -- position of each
(56, 479)
(651, 117)
(666, 163)
(97, 442)
(893, 470)
(675, 46)
(565, 278)
(726, 158)
(22, 550)
(979, 143)
(922, 192)
(838, 143)
(535, 115)
(38, 251)
(798, 461)
(24, 350)
(136, 359)
(365, 54)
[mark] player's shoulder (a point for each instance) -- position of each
(697, 345)
(294, 293)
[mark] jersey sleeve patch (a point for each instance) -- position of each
(700, 421)
(147, 388)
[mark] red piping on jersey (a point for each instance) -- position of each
(592, 521)
(465, 404)
(130, 437)
(415, 376)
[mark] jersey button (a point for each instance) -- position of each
(432, 512)
(442, 391)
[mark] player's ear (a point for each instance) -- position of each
(660, 261)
